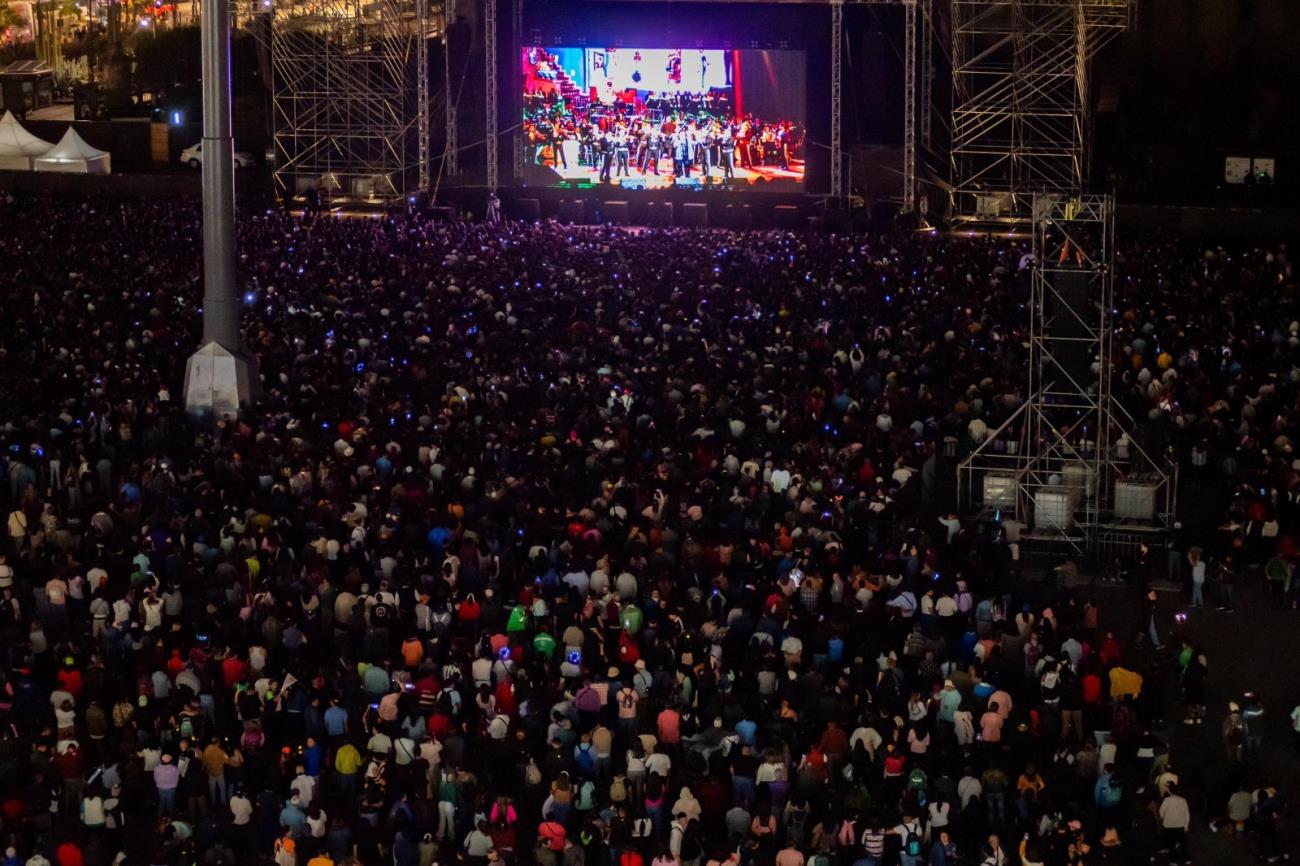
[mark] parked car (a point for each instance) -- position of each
(193, 157)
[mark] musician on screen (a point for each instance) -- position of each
(727, 152)
(622, 150)
(651, 150)
(605, 145)
(558, 137)
(682, 153)
(744, 140)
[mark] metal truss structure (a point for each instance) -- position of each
(517, 39)
(1021, 113)
(422, 94)
(350, 94)
(909, 106)
(927, 71)
(450, 160)
(491, 131)
(837, 75)
(1066, 464)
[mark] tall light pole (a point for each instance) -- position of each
(220, 378)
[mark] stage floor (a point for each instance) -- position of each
(758, 179)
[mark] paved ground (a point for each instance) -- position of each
(1256, 648)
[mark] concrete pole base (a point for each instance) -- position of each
(219, 383)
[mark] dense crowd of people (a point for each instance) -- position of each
(584, 546)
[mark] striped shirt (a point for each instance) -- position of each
(873, 842)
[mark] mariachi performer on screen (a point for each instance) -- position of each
(744, 141)
(701, 141)
(558, 137)
(537, 135)
(605, 142)
(586, 146)
(682, 152)
(651, 150)
(727, 153)
(622, 151)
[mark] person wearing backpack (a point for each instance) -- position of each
(684, 847)
(1108, 792)
(551, 833)
(626, 700)
(584, 756)
(912, 843)
(1233, 732)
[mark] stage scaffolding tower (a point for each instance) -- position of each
(422, 92)
(517, 139)
(1021, 107)
(350, 95)
(909, 106)
(837, 74)
(450, 92)
(491, 131)
(1067, 465)
(927, 70)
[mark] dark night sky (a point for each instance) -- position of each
(1222, 73)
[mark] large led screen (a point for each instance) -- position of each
(653, 118)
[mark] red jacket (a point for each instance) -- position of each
(232, 671)
(68, 854)
(70, 764)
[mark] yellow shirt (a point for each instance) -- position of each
(320, 860)
(1124, 682)
(215, 760)
(348, 760)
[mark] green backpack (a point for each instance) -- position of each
(518, 620)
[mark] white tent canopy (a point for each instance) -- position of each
(18, 147)
(73, 155)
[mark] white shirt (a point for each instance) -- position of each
(769, 771)
(969, 787)
(92, 811)
(1174, 814)
(305, 786)
(404, 751)
(953, 525)
(431, 753)
(659, 763)
(905, 602)
(152, 609)
(869, 737)
(241, 810)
